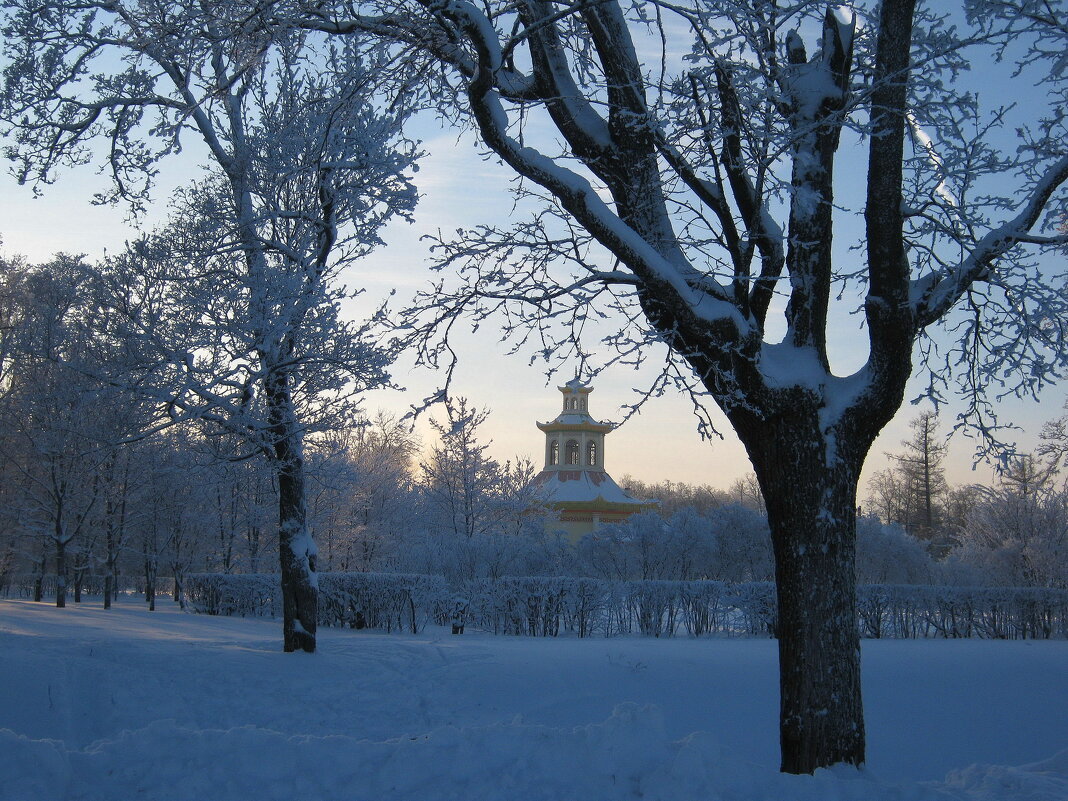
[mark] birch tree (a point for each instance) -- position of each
(233, 306)
(700, 201)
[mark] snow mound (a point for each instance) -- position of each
(628, 756)
(1041, 781)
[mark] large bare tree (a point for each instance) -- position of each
(688, 156)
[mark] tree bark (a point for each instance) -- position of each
(811, 502)
(38, 577)
(296, 549)
(79, 576)
(61, 573)
(150, 584)
(109, 581)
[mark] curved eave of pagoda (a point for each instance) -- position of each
(598, 504)
(593, 428)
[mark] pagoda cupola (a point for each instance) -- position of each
(574, 480)
(574, 440)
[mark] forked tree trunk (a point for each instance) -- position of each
(810, 492)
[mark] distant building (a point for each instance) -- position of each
(574, 477)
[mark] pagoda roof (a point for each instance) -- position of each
(576, 385)
(576, 421)
(585, 486)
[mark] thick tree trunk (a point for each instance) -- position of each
(300, 592)
(296, 549)
(810, 491)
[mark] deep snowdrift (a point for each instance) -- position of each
(129, 704)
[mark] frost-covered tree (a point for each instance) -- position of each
(60, 418)
(363, 498)
(233, 308)
(674, 496)
(1017, 534)
(1055, 440)
(913, 491)
(920, 464)
(887, 554)
(703, 198)
(467, 492)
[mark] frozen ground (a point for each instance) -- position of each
(126, 704)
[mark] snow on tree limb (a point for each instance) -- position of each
(934, 295)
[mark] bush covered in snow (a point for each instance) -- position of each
(387, 601)
(538, 606)
(906, 610)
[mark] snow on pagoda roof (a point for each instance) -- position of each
(576, 386)
(579, 486)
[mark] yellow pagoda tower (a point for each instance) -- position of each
(574, 476)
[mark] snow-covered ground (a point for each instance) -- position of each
(129, 704)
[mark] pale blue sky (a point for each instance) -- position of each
(460, 188)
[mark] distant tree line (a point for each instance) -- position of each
(95, 486)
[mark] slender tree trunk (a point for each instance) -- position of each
(810, 492)
(150, 583)
(61, 572)
(179, 586)
(254, 549)
(38, 577)
(79, 576)
(109, 579)
(296, 549)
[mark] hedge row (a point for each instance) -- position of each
(550, 606)
(387, 601)
(21, 585)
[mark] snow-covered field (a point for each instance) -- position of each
(130, 704)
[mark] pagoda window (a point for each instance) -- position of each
(572, 449)
(554, 452)
(591, 453)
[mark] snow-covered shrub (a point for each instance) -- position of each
(533, 605)
(754, 605)
(244, 594)
(887, 554)
(704, 607)
(548, 606)
(387, 601)
(900, 611)
(655, 606)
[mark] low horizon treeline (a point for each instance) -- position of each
(550, 606)
(377, 503)
(98, 482)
